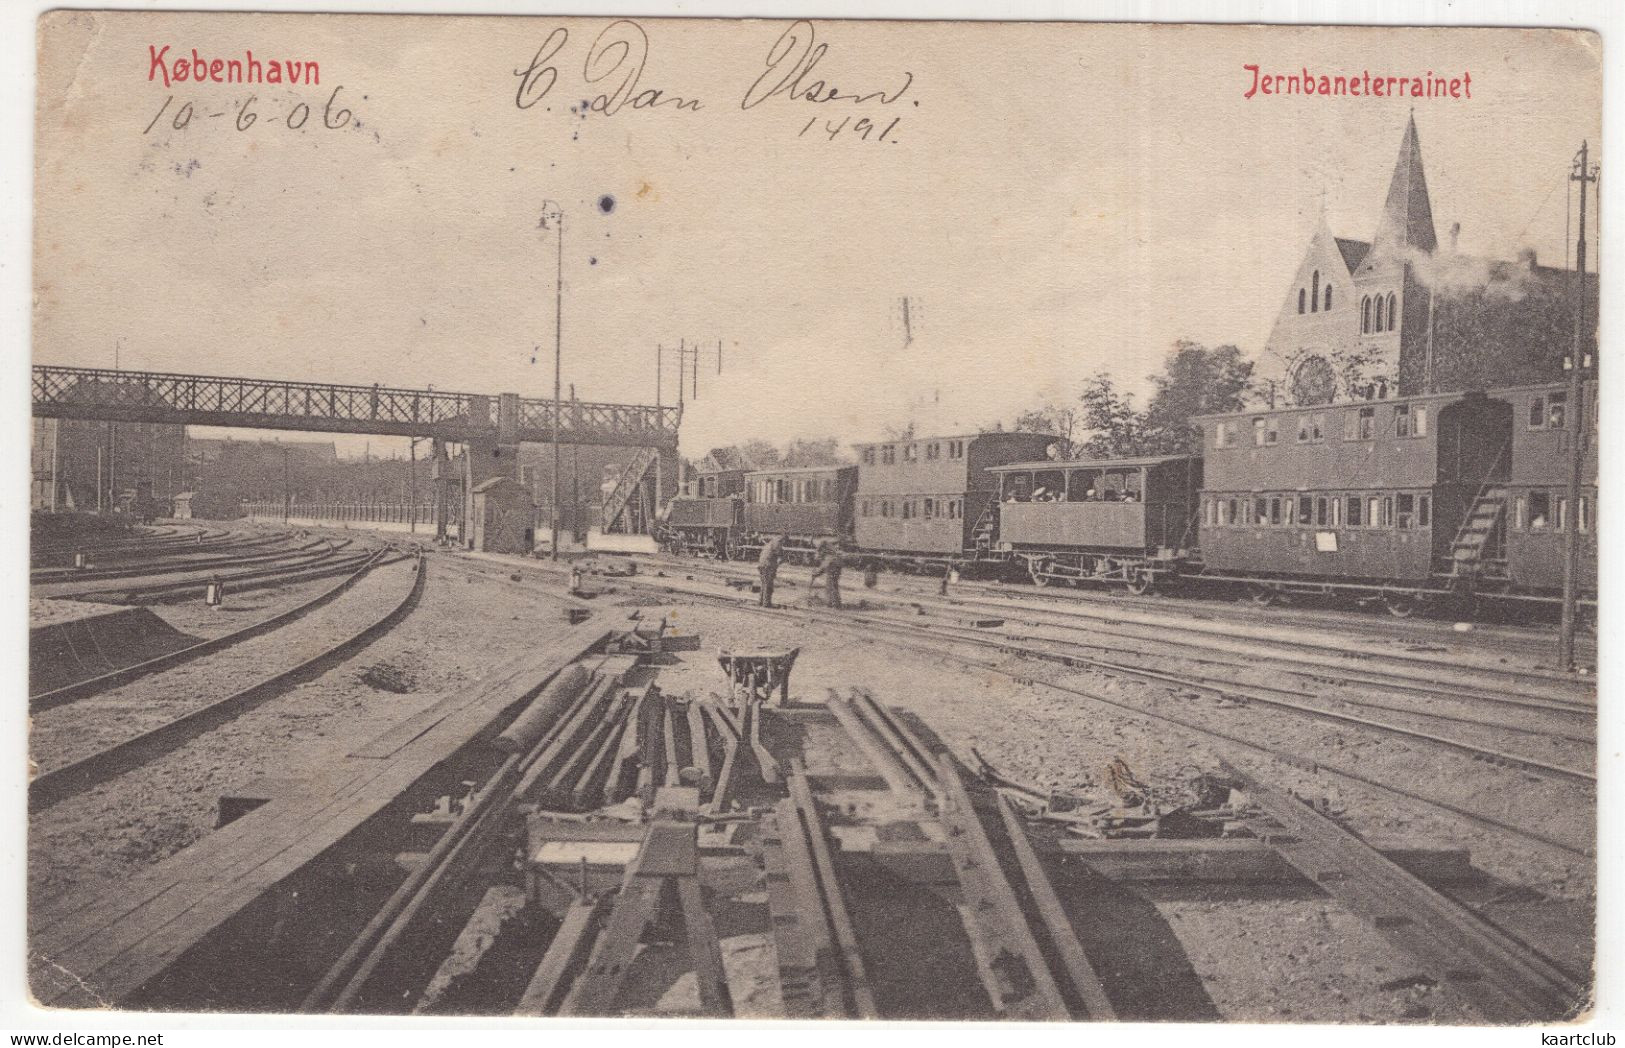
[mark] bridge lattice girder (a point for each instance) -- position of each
(204, 400)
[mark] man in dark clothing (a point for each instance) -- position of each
(829, 568)
(767, 567)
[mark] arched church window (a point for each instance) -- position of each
(1314, 293)
(1300, 300)
(1393, 312)
(1377, 327)
(1328, 305)
(1365, 315)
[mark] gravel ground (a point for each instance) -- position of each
(1249, 957)
(86, 844)
(1253, 959)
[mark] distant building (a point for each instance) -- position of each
(722, 473)
(84, 465)
(1397, 314)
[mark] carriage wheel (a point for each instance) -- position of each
(1400, 604)
(1141, 582)
(1036, 569)
(1262, 595)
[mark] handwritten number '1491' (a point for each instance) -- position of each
(862, 128)
(333, 115)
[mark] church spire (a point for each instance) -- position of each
(1407, 216)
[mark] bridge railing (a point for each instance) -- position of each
(268, 403)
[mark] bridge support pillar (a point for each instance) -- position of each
(486, 458)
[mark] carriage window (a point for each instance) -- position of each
(1585, 514)
(1419, 421)
(1258, 432)
(1368, 423)
(863, 508)
(1407, 512)
(1290, 511)
(1402, 420)
(1353, 506)
(1520, 514)
(888, 455)
(930, 508)
(1261, 511)
(1337, 513)
(1321, 518)
(1556, 410)
(956, 509)
(1424, 505)
(1275, 510)
(1562, 514)
(1388, 511)
(911, 452)
(956, 449)
(868, 456)
(1272, 430)
(1224, 435)
(1537, 412)
(1540, 510)
(932, 452)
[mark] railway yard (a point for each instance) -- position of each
(333, 770)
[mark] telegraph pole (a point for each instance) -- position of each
(552, 210)
(1583, 173)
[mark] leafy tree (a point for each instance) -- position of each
(1110, 419)
(1062, 418)
(1194, 381)
(825, 452)
(761, 454)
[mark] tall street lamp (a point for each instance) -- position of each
(553, 215)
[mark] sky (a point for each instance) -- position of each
(1052, 200)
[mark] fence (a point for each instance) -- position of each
(356, 512)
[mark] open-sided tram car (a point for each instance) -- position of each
(922, 502)
(1127, 522)
(1402, 500)
(808, 505)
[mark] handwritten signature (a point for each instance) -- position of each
(616, 61)
(793, 58)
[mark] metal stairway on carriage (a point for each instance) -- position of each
(1473, 538)
(982, 531)
(619, 507)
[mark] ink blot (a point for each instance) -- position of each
(606, 204)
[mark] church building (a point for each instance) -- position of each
(1396, 315)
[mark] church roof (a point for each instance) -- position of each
(1353, 251)
(1407, 215)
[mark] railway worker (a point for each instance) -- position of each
(829, 569)
(767, 567)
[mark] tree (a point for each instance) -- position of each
(825, 452)
(1194, 381)
(1061, 418)
(1110, 419)
(761, 454)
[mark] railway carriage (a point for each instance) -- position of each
(925, 502)
(1536, 509)
(1128, 522)
(1401, 500)
(807, 505)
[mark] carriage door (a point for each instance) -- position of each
(1475, 460)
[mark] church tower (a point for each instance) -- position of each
(1355, 308)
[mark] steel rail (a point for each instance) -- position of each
(218, 559)
(60, 783)
(95, 685)
(168, 586)
(1506, 980)
(865, 631)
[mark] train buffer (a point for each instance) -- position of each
(755, 674)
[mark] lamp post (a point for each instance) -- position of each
(551, 212)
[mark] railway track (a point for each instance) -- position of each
(233, 557)
(865, 835)
(168, 587)
(1398, 670)
(302, 649)
(102, 682)
(939, 645)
